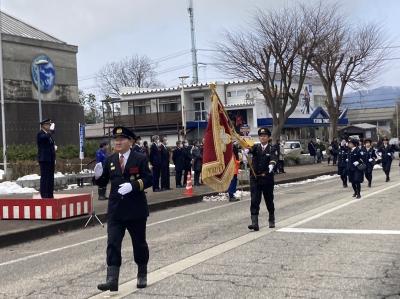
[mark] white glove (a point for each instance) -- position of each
(370, 160)
(355, 163)
(55, 147)
(347, 160)
(52, 126)
(246, 151)
(98, 170)
(270, 167)
(125, 188)
(389, 154)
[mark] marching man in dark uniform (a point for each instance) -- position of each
(369, 158)
(356, 175)
(164, 153)
(386, 153)
(130, 175)
(264, 159)
(46, 158)
(342, 162)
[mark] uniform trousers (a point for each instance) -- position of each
(156, 177)
(258, 190)
(46, 179)
(115, 233)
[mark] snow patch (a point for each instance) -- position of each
(14, 188)
(317, 179)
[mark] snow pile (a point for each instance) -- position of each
(35, 176)
(320, 178)
(1, 174)
(86, 171)
(75, 186)
(225, 196)
(14, 188)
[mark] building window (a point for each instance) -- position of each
(139, 107)
(200, 112)
(169, 105)
(228, 94)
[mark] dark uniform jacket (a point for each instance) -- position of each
(369, 154)
(178, 158)
(164, 156)
(342, 160)
(131, 206)
(155, 155)
(355, 175)
(260, 162)
(187, 158)
(387, 156)
(45, 143)
(197, 155)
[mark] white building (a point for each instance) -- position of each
(159, 112)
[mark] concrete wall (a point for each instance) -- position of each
(61, 104)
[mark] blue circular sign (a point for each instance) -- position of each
(47, 74)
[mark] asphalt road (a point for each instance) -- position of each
(326, 245)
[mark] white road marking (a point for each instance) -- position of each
(339, 231)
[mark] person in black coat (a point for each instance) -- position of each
(164, 153)
(369, 159)
(197, 155)
(312, 150)
(356, 176)
(187, 161)
(263, 162)
(334, 150)
(130, 175)
(342, 162)
(46, 158)
(155, 161)
(386, 152)
(178, 160)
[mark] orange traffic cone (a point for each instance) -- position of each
(189, 187)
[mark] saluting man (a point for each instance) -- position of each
(130, 175)
(369, 158)
(264, 158)
(46, 158)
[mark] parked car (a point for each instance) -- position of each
(293, 148)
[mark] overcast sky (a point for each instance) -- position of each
(108, 30)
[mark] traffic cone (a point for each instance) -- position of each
(189, 187)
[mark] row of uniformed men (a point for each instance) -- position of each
(356, 160)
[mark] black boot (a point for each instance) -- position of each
(254, 223)
(271, 221)
(344, 185)
(102, 193)
(387, 178)
(369, 184)
(111, 283)
(142, 277)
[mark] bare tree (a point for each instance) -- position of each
(135, 71)
(276, 53)
(348, 56)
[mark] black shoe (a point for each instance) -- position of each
(271, 223)
(387, 179)
(344, 185)
(254, 223)
(358, 196)
(369, 184)
(233, 199)
(156, 190)
(142, 277)
(354, 195)
(111, 283)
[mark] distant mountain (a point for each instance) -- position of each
(381, 97)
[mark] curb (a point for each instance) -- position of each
(43, 231)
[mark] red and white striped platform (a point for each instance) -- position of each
(60, 207)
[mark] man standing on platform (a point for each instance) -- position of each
(178, 160)
(46, 158)
(187, 158)
(262, 179)
(130, 175)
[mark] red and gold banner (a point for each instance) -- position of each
(218, 159)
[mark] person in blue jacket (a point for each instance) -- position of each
(369, 159)
(101, 155)
(46, 158)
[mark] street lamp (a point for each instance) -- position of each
(38, 64)
(183, 78)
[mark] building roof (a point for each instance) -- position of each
(370, 114)
(14, 26)
(364, 126)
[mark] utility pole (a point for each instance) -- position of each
(3, 121)
(194, 51)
